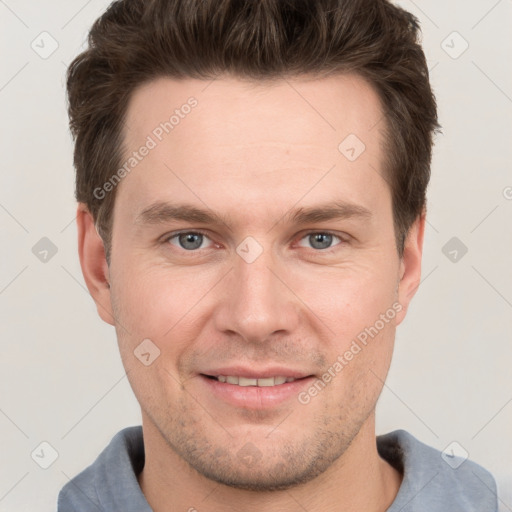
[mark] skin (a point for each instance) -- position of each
(254, 152)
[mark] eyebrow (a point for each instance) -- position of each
(162, 212)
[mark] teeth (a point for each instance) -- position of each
(269, 381)
(242, 381)
(263, 382)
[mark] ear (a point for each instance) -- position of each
(93, 262)
(410, 265)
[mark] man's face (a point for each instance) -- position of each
(258, 294)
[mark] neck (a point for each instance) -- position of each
(358, 481)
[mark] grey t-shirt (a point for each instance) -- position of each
(430, 483)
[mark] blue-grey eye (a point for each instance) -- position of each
(189, 241)
(321, 240)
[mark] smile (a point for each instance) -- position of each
(261, 382)
(254, 391)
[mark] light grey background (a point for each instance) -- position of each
(61, 379)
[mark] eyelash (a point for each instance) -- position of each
(168, 238)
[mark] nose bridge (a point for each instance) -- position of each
(258, 303)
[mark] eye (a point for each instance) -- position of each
(188, 240)
(191, 241)
(321, 240)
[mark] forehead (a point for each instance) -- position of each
(252, 137)
(301, 107)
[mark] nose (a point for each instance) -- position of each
(258, 301)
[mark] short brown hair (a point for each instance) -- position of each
(136, 41)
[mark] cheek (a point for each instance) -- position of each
(164, 305)
(356, 370)
(154, 300)
(350, 300)
(152, 331)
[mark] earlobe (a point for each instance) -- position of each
(410, 265)
(93, 262)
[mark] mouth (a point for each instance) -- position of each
(252, 390)
(261, 382)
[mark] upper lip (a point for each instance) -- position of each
(252, 373)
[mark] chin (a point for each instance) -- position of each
(275, 467)
(277, 478)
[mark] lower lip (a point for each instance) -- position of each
(256, 397)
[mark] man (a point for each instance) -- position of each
(251, 180)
